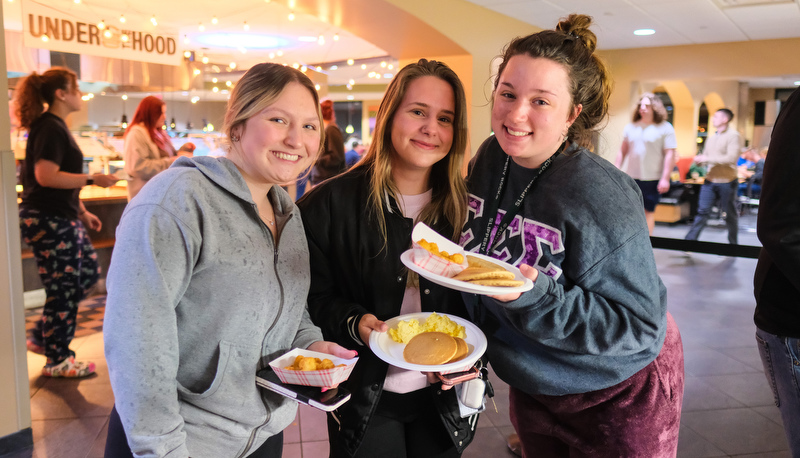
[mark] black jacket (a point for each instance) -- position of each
(354, 273)
(777, 285)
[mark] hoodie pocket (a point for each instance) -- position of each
(232, 402)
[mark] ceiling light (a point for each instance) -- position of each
(122, 18)
(242, 40)
(214, 20)
(291, 16)
(644, 32)
(124, 96)
(350, 62)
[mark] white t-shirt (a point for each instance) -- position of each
(402, 380)
(646, 145)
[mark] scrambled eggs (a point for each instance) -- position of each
(435, 323)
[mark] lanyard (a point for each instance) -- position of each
(510, 214)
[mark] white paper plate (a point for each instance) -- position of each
(392, 352)
(407, 259)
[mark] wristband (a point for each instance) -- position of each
(89, 181)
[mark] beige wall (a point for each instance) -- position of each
(710, 72)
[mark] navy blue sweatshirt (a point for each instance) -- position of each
(597, 312)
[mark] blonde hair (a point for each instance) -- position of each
(572, 45)
(449, 199)
(258, 89)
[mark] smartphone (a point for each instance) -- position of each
(455, 378)
(309, 395)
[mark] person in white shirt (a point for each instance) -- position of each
(647, 153)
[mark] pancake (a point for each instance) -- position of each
(474, 261)
(483, 273)
(498, 282)
(461, 351)
(430, 348)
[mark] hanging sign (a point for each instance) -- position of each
(49, 28)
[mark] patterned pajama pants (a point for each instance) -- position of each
(68, 268)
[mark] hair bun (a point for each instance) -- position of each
(577, 26)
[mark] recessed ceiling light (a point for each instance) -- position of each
(240, 40)
(643, 32)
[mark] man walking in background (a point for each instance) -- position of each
(719, 155)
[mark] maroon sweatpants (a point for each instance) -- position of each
(639, 417)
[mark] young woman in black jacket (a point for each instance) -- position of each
(358, 224)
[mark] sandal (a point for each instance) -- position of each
(33, 347)
(69, 368)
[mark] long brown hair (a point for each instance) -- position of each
(449, 197)
(36, 91)
(659, 111)
(572, 45)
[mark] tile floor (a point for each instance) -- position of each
(728, 409)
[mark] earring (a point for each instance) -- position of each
(234, 138)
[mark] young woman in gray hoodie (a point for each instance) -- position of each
(208, 283)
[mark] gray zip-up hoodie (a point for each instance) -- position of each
(199, 298)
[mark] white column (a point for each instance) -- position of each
(14, 392)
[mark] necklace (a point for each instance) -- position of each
(267, 220)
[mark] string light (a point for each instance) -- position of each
(107, 34)
(124, 96)
(186, 40)
(321, 40)
(232, 65)
(214, 80)
(335, 37)
(45, 38)
(124, 37)
(187, 54)
(205, 59)
(350, 62)
(153, 20)
(363, 66)
(101, 25)
(196, 71)
(122, 18)
(201, 27)
(246, 26)
(291, 16)
(214, 20)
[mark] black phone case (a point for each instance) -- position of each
(309, 395)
